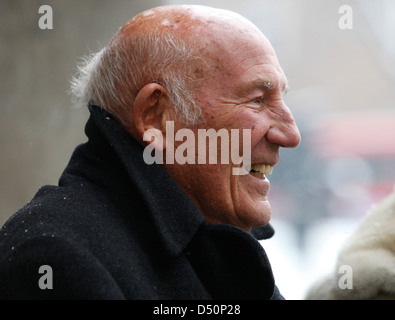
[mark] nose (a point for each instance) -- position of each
(284, 131)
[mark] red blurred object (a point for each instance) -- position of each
(362, 134)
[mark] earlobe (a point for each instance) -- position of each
(150, 109)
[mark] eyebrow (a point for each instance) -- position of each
(263, 85)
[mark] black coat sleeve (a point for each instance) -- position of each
(74, 272)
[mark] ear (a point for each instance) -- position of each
(151, 110)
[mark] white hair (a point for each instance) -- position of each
(112, 77)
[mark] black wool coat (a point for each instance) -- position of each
(117, 228)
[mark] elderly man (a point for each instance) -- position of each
(117, 227)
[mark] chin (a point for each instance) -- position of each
(257, 216)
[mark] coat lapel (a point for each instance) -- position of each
(174, 216)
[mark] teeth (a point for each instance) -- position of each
(265, 169)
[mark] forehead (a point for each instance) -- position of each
(247, 64)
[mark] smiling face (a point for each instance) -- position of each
(243, 91)
(238, 84)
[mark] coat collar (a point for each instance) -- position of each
(175, 217)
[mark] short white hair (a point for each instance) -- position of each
(112, 77)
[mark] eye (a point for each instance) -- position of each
(258, 100)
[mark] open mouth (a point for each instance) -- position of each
(261, 170)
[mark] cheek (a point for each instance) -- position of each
(221, 118)
(258, 131)
(254, 121)
(238, 117)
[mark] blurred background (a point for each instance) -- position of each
(341, 94)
